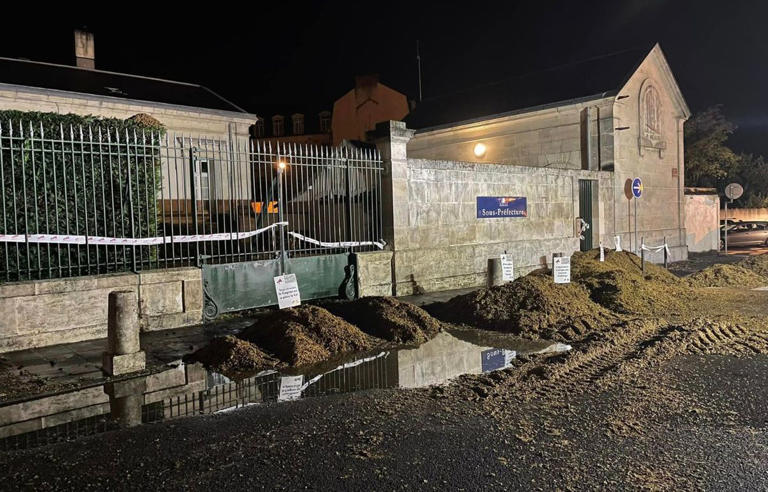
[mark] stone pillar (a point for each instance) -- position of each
(391, 139)
(125, 401)
(494, 272)
(124, 354)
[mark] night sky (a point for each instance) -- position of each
(286, 53)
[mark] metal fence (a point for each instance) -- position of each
(81, 201)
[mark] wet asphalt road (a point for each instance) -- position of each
(620, 438)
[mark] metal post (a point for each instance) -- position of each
(635, 200)
(726, 227)
(280, 215)
(642, 256)
(349, 203)
(193, 196)
(666, 257)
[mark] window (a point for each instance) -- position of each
(325, 122)
(202, 179)
(298, 124)
(258, 129)
(278, 126)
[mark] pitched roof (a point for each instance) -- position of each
(102, 83)
(597, 77)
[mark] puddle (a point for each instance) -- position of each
(189, 389)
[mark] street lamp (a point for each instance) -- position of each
(479, 149)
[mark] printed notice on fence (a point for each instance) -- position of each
(287, 288)
(290, 387)
(507, 269)
(561, 268)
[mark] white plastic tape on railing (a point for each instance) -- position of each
(131, 241)
(343, 366)
(343, 244)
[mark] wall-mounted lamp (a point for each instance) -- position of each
(479, 149)
(281, 165)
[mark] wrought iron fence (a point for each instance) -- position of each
(84, 201)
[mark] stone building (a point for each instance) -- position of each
(354, 114)
(563, 144)
(622, 113)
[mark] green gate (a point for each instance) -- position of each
(585, 212)
(233, 287)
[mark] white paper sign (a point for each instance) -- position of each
(561, 269)
(602, 252)
(617, 240)
(290, 388)
(507, 269)
(287, 288)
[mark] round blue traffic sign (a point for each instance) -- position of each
(637, 187)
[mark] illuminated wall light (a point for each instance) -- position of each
(479, 149)
(281, 164)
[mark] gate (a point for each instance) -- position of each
(309, 209)
(88, 200)
(585, 212)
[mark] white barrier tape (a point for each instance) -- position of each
(343, 244)
(343, 366)
(131, 241)
(654, 248)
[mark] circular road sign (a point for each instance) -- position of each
(734, 191)
(637, 187)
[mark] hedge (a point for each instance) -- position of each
(69, 175)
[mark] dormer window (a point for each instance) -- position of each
(258, 129)
(278, 125)
(298, 124)
(325, 121)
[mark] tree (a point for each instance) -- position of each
(752, 173)
(708, 161)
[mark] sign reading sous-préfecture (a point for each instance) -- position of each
(501, 207)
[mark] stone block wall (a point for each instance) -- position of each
(745, 214)
(374, 273)
(49, 312)
(702, 224)
(440, 244)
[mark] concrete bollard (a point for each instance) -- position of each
(124, 353)
(494, 272)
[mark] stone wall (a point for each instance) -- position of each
(374, 273)
(702, 224)
(50, 312)
(744, 214)
(441, 244)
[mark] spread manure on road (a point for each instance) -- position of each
(722, 275)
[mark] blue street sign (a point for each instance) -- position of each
(637, 187)
(501, 207)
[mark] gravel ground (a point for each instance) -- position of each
(698, 423)
(674, 402)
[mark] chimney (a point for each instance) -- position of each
(85, 53)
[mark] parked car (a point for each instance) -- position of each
(745, 234)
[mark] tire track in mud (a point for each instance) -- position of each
(582, 369)
(642, 341)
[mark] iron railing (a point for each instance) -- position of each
(83, 201)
